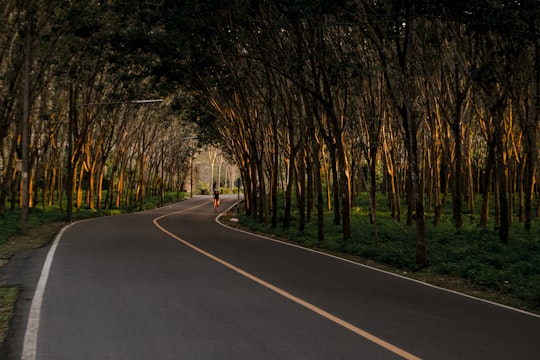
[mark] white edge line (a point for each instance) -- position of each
(32, 326)
(370, 267)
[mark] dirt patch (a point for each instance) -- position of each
(36, 238)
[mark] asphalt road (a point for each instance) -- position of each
(174, 284)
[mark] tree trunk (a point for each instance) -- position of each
(319, 192)
(70, 163)
(274, 180)
(327, 182)
(301, 191)
(502, 177)
(417, 193)
(457, 196)
(335, 186)
(484, 211)
(288, 196)
(373, 192)
(80, 183)
(25, 128)
(263, 213)
(531, 134)
(344, 190)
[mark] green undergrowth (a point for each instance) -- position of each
(471, 253)
(8, 297)
(10, 222)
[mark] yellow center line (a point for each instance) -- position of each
(376, 340)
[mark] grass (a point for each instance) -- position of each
(471, 260)
(43, 226)
(8, 297)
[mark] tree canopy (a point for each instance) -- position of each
(319, 102)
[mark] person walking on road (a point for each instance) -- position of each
(216, 200)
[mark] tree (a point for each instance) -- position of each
(395, 25)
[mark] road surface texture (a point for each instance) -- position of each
(174, 284)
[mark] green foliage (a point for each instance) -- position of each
(10, 223)
(8, 296)
(202, 188)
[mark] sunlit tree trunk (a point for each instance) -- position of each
(394, 193)
(531, 144)
(486, 185)
(318, 190)
(300, 166)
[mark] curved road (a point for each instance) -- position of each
(174, 284)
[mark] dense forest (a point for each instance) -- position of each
(317, 102)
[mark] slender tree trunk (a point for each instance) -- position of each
(80, 184)
(344, 190)
(471, 182)
(92, 185)
(108, 202)
(327, 182)
(288, 195)
(274, 180)
(274, 191)
(335, 186)
(70, 164)
(301, 191)
(409, 196)
(46, 184)
(420, 212)
(319, 192)
(484, 211)
(393, 195)
(317, 153)
(141, 183)
(9, 179)
(457, 196)
(309, 187)
(373, 192)
(100, 176)
(263, 213)
(416, 184)
(531, 135)
(502, 176)
(254, 190)
(25, 128)
(437, 201)
(52, 186)
(120, 186)
(436, 170)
